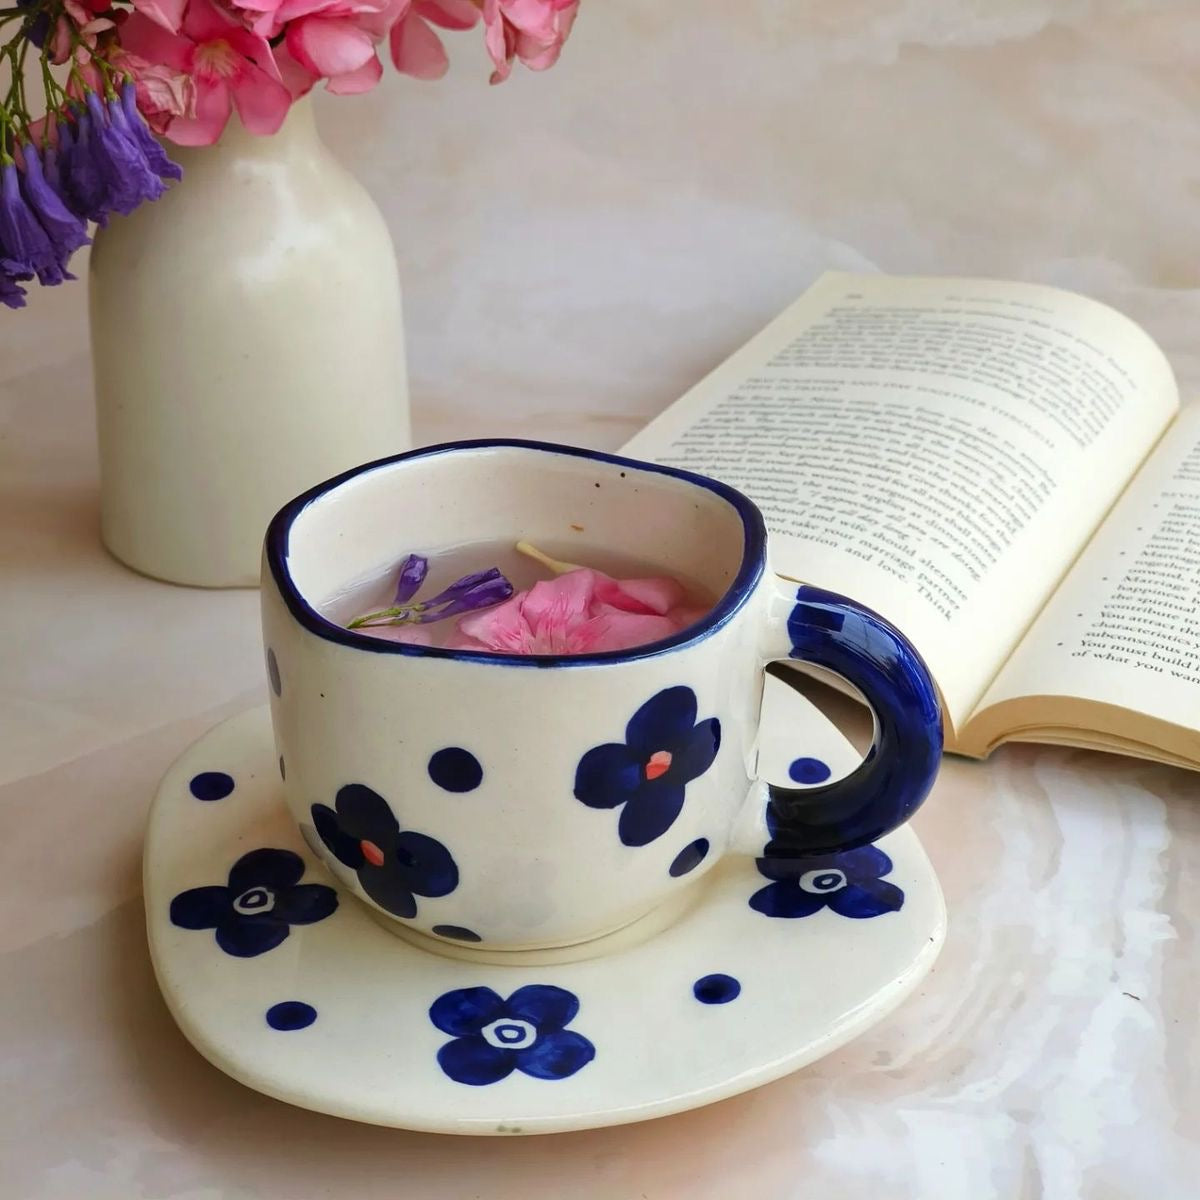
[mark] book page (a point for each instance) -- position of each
(938, 449)
(1124, 627)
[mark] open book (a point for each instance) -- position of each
(1004, 472)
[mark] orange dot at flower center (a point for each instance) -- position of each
(371, 853)
(658, 764)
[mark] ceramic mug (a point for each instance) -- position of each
(523, 802)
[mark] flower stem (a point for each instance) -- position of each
(551, 564)
(386, 616)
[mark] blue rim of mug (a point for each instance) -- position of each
(750, 571)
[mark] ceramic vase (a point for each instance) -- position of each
(247, 343)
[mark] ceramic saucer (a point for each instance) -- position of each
(298, 993)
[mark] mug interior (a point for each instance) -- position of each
(348, 531)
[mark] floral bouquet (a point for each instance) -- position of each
(113, 70)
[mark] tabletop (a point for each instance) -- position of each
(577, 249)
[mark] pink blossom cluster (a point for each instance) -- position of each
(195, 61)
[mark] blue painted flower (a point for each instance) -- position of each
(664, 750)
(254, 912)
(391, 864)
(848, 883)
(494, 1037)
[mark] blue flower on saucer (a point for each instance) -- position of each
(664, 750)
(848, 883)
(255, 910)
(494, 1037)
(393, 865)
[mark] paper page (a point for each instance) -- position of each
(939, 449)
(1124, 627)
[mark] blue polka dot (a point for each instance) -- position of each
(689, 858)
(273, 673)
(455, 769)
(457, 932)
(211, 785)
(291, 1014)
(809, 770)
(716, 989)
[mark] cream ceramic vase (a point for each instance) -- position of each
(247, 343)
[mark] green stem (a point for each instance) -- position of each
(403, 611)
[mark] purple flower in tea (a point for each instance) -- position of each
(479, 590)
(412, 574)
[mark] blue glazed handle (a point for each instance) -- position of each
(888, 786)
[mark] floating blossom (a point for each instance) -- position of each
(412, 574)
(479, 590)
(581, 612)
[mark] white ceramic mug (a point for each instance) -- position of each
(531, 802)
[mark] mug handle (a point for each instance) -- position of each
(891, 782)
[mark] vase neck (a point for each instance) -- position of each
(297, 134)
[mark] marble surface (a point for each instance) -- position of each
(577, 249)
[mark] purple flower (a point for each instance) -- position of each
(50, 162)
(479, 590)
(135, 128)
(64, 229)
(83, 185)
(412, 574)
(37, 29)
(122, 164)
(12, 294)
(25, 247)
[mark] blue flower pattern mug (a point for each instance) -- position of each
(525, 802)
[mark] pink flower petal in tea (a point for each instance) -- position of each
(579, 612)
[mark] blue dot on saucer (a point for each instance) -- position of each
(211, 785)
(809, 770)
(689, 858)
(291, 1014)
(457, 932)
(455, 769)
(716, 989)
(273, 673)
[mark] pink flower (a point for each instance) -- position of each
(77, 30)
(416, 49)
(580, 612)
(162, 92)
(532, 30)
(327, 39)
(167, 13)
(230, 65)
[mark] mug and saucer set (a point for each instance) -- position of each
(474, 893)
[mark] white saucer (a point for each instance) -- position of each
(336, 1015)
